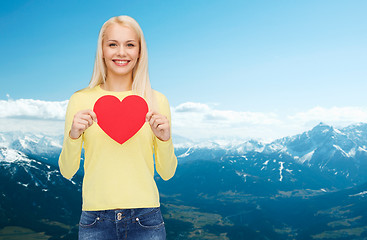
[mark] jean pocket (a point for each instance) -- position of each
(151, 220)
(88, 219)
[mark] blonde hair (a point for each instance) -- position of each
(141, 84)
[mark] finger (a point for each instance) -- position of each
(87, 118)
(158, 122)
(85, 111)
(160, 116)
(152, 120)
(149, 116)
(93, 115)
(163, 127)
(83, 122)
(80, 127)
(89, 112)
(154, 112)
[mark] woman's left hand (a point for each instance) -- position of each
(159, 124)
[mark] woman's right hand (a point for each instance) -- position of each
(82, 120)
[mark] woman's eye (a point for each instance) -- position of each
(112, 44)
(130, 45)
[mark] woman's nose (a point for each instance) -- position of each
(122, 51)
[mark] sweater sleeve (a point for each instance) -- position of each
(69, 159)
(165, 159)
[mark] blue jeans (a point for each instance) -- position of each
(130, 224)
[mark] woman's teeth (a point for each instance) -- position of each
(121, 62)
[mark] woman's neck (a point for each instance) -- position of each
(118, 84)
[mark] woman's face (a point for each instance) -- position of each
(120, 50)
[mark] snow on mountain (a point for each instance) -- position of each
(35, 143)
(36, 191)
(321, 160)
(44, 148)
(305, 158)
(338, 154)
(358, 133)
(337, 151)
(11, 155)
(322, 139)
(350, 141)
(302, 147)
(26, 171)
(180, 141)
(363, 194)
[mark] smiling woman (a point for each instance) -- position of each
(120, 51)
(121, 39)
(120, 196)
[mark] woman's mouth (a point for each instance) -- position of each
(121, 63)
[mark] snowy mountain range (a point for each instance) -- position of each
(325, 149)
(350, 141)
(214, 179)
(44, 148)
(338, 154)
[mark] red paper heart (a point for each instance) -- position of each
(120, 119)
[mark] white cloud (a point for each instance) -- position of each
(191, 120)
(48, 127)
(199, 120)
(33, 109)
(28, 115)
(334, 114)
(191, 107)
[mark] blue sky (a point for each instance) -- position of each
(282, 57)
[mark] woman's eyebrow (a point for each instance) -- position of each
(112, 40)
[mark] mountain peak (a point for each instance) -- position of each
(322, 127)
(322, 124)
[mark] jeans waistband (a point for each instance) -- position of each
(122, 214)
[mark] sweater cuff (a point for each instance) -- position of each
(165, 147)
(76, 139)
(164, 143)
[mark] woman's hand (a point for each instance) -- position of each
(82, 120)
(159, 124)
